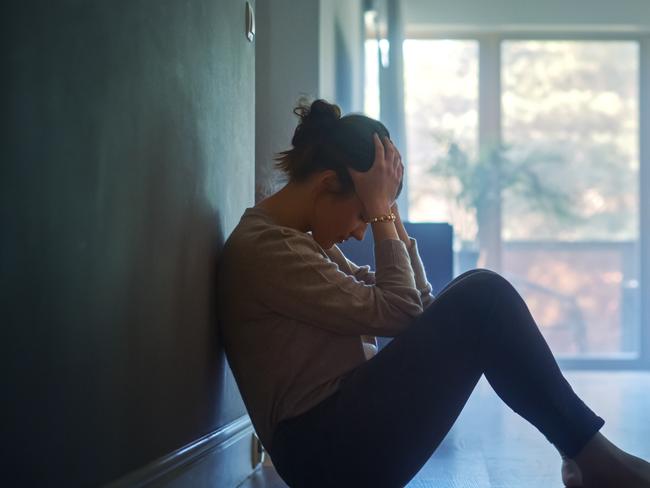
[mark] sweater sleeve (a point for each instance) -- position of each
(421, 281)
(363, 273)
(294, 278)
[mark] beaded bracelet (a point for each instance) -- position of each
(383, 218)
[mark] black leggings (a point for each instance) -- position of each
(391, 413)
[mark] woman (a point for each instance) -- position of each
(295, 316)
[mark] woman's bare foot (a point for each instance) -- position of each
(604, 465)
(571, 474)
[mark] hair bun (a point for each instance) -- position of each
(323, 140)
(316, 120)
(321, 111)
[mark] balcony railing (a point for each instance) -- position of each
(585, 296)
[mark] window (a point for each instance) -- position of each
(575, 104)
(441, 103)
(566, 180)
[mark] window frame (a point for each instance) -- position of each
(490, 129)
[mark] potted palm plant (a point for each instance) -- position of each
(483, 182)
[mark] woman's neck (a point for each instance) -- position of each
(287, 207)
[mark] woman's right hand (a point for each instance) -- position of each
(377, 187)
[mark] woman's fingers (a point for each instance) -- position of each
(379, 147)
(386, 150)
(390, 150)
(399, 154)
(397, 157)
(382, 181)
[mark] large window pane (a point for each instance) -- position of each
(441, 97)
(571, 227)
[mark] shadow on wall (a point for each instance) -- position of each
(109, 254)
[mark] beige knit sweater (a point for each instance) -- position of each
(294, 316)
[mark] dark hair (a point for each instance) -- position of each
(325, 140)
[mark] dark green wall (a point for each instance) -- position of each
(127, 158)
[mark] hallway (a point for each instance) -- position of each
(507, 452)
(137, 135)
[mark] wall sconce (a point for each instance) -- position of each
(371, 23)
(250, 22)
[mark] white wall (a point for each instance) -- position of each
(286, 66)
(341, 54)
(296, 54)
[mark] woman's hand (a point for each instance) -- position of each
(377, 187)
(401, 181)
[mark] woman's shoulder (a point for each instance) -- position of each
(256, 254)
(257, 238)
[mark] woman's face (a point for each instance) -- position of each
(336, 218)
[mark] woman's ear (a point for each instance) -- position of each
(328, 181)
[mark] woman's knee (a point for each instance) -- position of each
(469, 273)
(480, 275)
(497, 278)
(480, 285)
(492, 286)
(461, 277)
(467, 301)
(472, 288)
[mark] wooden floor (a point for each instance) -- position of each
(490, 446)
